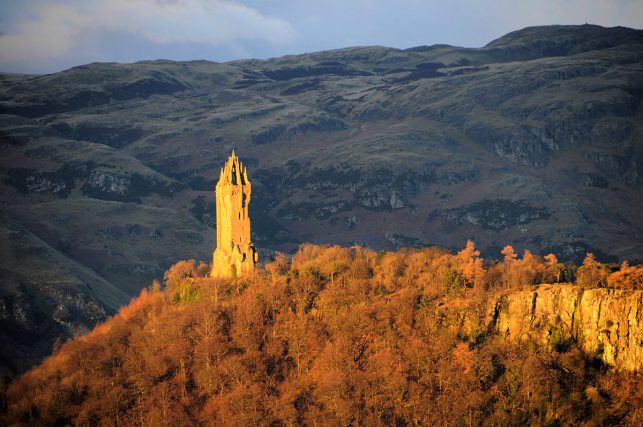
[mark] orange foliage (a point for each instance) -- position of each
(528, 270)
(592, 272)
(339, 336)
(509, 253)
(471, 265)
(627, 277)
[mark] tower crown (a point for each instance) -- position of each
(233, 172)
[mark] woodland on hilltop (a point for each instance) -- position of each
(333, 336)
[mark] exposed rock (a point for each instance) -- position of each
(496, 215)
(456, 177)
(402, 241)
(145, 270)
(32, 319)
(605, 323)
(613, 165)
(396, 201)
(60, 182)
(352, 221)
(385, 189)
(593, 180)
(20, 310)
(110, 232)
(155, 234)
(381, 189)
(99, 183)
(547, 97)
(304, 210)
(107, 185)
(76, 311)
(610, 134)
(194, 238)
(134, 230)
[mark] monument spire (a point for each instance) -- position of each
(235, 254)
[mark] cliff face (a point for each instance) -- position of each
(607, 323)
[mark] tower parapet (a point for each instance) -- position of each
(235, 254)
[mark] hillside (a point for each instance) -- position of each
(348, 336)
(533, 140)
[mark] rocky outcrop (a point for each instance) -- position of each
(495, 215)
(305, 210)
(47, 298)
(99, 183)
(593, 180)
(381, 189)
(108, 183)
(59, 182)
(605, 323)
(111, 185)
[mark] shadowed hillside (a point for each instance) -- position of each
(349, 336)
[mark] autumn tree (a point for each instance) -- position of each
(471, 265)
(509, 267)
(627, 277)
(531, 269)
(180, 279)
(277, 267)
(592, 272)
(528, 270)
(554, 268)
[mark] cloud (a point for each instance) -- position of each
(46, 34)
(49, 35)
(199, 21)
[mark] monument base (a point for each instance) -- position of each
(235, 263)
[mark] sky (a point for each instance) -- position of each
(43, 36)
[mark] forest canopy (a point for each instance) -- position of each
(333, 336)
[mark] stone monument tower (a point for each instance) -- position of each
(235, 254)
